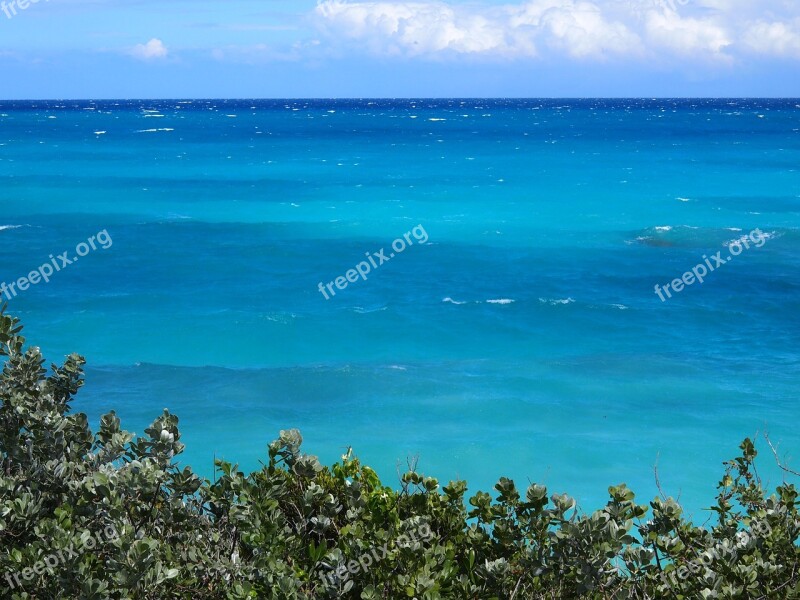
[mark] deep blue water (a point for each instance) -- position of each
(523, 339)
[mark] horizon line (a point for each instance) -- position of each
(416, 98)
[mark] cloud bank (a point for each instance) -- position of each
(715, 30)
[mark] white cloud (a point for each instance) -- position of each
(413, 27)
(712, 30)
(696, 37)
(776, 39)
(426, 28)
(152, 50)
(582, 31)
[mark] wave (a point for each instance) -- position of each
(669, 236)
(363, 311)
(556, 301)
(747, 240)
(449, 300)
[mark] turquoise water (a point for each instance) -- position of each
(523, 339)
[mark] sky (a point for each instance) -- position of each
(93, 49)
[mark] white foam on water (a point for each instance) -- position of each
(557, 301)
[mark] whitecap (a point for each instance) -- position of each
(451, 301)
(361, 310)
(664, 228)
(556, 301)
(4, 227)
(682, 199)
(620, 306)
(282, 318)
(501, 301)
(746, 240)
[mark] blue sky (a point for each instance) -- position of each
(351, 48)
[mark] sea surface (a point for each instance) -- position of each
(524, 338)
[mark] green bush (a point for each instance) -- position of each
(108, 515)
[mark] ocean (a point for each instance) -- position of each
(522, 335)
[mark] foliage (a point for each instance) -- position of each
(298, 530)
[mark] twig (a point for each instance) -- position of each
(658, 481)
(516, 589)
(777, 460)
